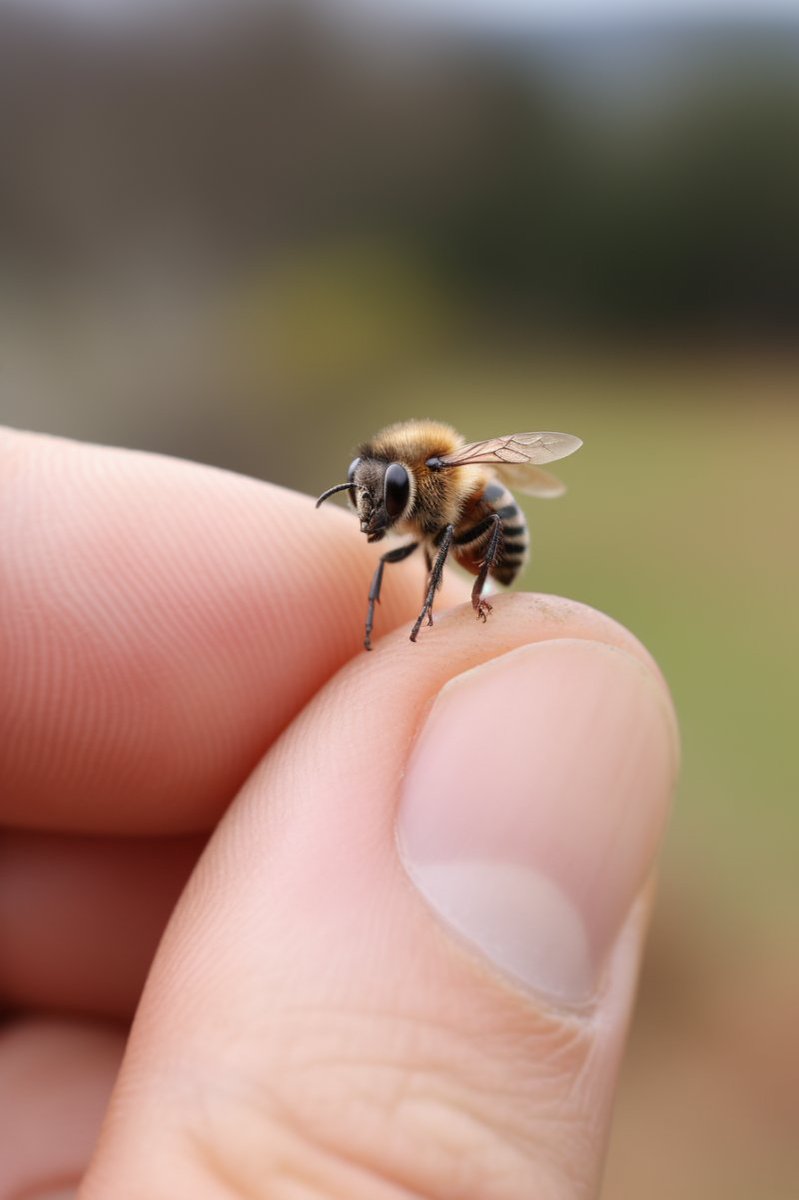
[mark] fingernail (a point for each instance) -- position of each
(534, 803)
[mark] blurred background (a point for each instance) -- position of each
(251, 233)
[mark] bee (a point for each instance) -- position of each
(420, 478)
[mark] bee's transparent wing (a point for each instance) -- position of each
(517, 449)
(516, 458)
(530, 480)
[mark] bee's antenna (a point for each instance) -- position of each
(340, 487)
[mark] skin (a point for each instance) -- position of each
(309, 1028)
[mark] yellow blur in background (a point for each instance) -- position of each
(253, 234)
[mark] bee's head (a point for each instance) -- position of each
(380, 492)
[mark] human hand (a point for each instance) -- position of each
(404, 964)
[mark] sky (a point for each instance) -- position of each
(491, 13)
(557, 11)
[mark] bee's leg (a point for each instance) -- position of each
(429, 561)
(435, 581)
(482, 607)
(391, 556)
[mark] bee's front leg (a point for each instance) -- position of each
(429, 562)
(434, 581)
(391, 556)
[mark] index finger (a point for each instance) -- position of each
(160, 624)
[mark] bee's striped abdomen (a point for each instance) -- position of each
(474, 531)
(515, 538)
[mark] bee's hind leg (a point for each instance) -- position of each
(391, 556)
(481, 606)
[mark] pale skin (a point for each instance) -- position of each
(310, 1027)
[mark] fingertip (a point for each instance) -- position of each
(308, 932)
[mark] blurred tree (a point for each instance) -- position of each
(667, 202)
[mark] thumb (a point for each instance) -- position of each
(406, 962)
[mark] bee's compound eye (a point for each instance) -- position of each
(352, 470)
(397, 489)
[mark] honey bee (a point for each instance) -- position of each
(419, 478)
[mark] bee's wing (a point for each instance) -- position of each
(517, 450)
(515, 458)
(530, 480)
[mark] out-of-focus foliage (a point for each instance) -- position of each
(357, 310)
(637, 181)
(253, 234)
